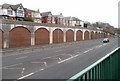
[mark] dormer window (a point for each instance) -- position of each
(10, 11)
(20, 12)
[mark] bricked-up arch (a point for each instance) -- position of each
(19, 37)
(86, 35)
(92, 35)
(58, 36)
(69, 36)
(102, 35)
(1, 39)
(96, 35)
(78, 35)
(42, 36)
(99, 35)
(106, 35)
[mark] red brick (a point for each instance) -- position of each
(19, 37)
(92, 35)
(69, 36)
(42, 36)
(1, 39)
(57, 36)
(86, 35)
(78, 35)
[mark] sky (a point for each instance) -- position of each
(86, 10)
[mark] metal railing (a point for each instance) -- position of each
(107, 68)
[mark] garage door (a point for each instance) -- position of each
(57, 36)
(86, 35)
(19, 37)
(78, 35)
(92, 35)
(41, 36)
(1, 39)
(69, 36)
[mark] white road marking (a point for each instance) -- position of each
(12, 65)
(67, 59)
(88, 50)
(70, 55)
(23, 69)
(25, 76)
(41, 69)
(45, 64)
(60, 59)
(99, 46)
(22, 57)
(58, 50)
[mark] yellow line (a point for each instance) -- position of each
(15, 54)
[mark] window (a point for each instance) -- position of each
(49, 19)
(20, 12)
(10, 12)
(4, 17)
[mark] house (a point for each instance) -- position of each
(47, 17)
(7, 12)
(68, 21)
(34, 15)
(15, 12)
(82, 23)
(76, 21)
(59, 19)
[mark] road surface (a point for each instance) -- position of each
(55, 63)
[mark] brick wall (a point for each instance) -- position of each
(1, 39)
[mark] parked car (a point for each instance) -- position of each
(105, 40)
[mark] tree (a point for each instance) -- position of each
(103, 25)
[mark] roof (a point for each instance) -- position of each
(59, 15)
(5, 6)
(68, 18)
(14, 7)
(75, 19)
(45, 14)
(29, 11)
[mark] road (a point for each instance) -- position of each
(55, 63)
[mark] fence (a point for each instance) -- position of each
(107, 68)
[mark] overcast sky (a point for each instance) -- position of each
(87, 10)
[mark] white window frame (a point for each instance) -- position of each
(9, 11)
(20, 12)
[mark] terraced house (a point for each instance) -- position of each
(47, 17)
(18, 12)
(34, 15)
(13, 12)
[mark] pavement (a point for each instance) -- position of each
(58, 61)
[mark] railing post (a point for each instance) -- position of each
(107, 68)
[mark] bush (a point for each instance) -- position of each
(28, 19)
